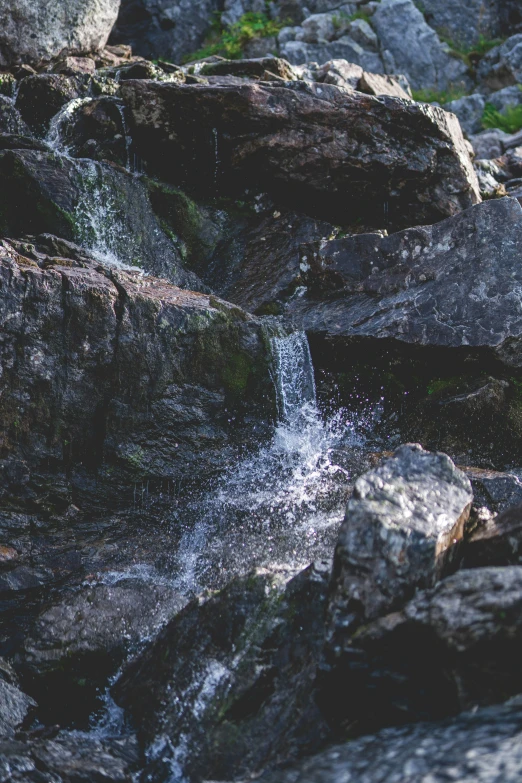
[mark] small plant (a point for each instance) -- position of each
(230, 42)
(510, 120)
(470, 55)
(438, 96)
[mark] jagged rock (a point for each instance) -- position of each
(469, 110)
(489, 144)
(326, 26)
(103, 208)
(376, 84)
(508, 96)
(410, 288)
(126, 378)
(252, 68)
(276, 139)
(42, 96)
(465, 23)
(412, 47)
(79, 641)
(502, 66)
(163, 29)
(483, 746)
(344, 48)
(98, 130)
(497, 541)
(449, 649)
(228, 683)
(69, 758)
(14, 708)
(35, 30)
(10, 119)
(339, 72)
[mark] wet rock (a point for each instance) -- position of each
(502, 66)
(10, 118)
(146, 382)
(163, 29)
(78, 642)
(101, 207)
(14, 707)
(449, 649)
(276, 138)
(98, 130)
(408, 272)
(228, 683)
(469, 110)
(496, 541)
(34, 30)
(480, 746)
(69, 758)
(15, 141)
(42, 96)
(412, 47)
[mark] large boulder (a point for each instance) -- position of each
(466, 22)
(226, 689)
(387, 160)
(125, 378)
(35, 30)
(483, 746)
(399, 533)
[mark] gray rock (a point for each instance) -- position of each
(508, 96)
(339, 72)
(229, 682)
(469, 110)
(451, 648)
(415, 48)
(494, 489)
(496, 540)
(169, 29)
(361, 32)
(10, 118)
(233, 10)
(448, 285)
(502, 66)
(489, 144)
(483, 746)
(399, 529)
(464, 22)
(14, 707)
(378, 84)
(35, 30)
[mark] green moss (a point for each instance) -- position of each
(230, 42)
(236, 374)
(469, 54)
(438, 96)
(510, 120)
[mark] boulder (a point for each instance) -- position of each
(78, 642)
(276, 138)
(14, 706)
(449, 649)
(35, 30)
(42, 96)
(344, 48)
(469, 110)
(508, 96)
(482, 746)
(489, 144)
(105, 209)
(497, 540)
(465, 23)
(127, 379)
(11, 121)
(226, 689)
(412, 47)
(502, 66)
(163, 29)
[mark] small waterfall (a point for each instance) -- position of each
(58, 126)
(294, 375)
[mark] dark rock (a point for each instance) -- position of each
(71, 66)
(276, 138)
(229, 681)
(10, 119)
(489, 144)
(14, 141)
(164, 29)
(34, 30)
(103, 208)
(14, 707)
(483, 746)
(42, 96)
(251, 68)
(98, 130)
(126, 378)
(497, 541)
(449, 649)
(449, 285)
(77, 643)
(69, 758)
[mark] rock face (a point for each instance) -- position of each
(31, 31)
(80, 341)
(465, 22)
(228, 683)
(483, 747)
(449, 649)
(400, 526)
(277, 138)
(497, 541)
(424, 296)
(14, 705)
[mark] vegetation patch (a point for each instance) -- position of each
(510, 120)
(230, 42)
(439, 96)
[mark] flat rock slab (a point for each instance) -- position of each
(325, 150)
(455, 284)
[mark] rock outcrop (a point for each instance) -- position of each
(35, 30)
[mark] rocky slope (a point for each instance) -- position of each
(229, 291)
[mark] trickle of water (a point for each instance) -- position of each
(55, 135)
(126, 135)
(216, 155)
(294, 376)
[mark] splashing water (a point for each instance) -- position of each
(284, 504)
(58, 126)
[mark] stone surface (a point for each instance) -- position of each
(477, 747)
(496, 541)
(412, 47)
(344, 48)
(502, 66)
(227, 687)
(42, 96)
(276, 138)
(125, 378)
(449, 649)
(489, 144)
(448, 285)
(465, 22)
(469, 110)
(14, 707)
(34, 30)
(508, 96)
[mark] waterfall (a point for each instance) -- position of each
(294, 375)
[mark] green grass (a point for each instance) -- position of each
(509, 121)
(438, 96)
(230, 42)
(470, 55)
